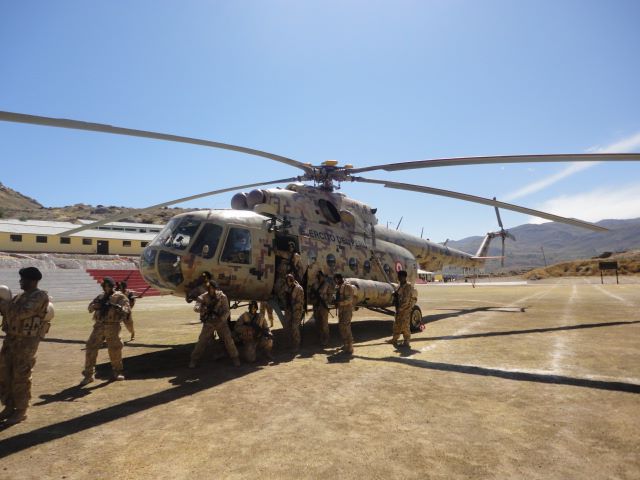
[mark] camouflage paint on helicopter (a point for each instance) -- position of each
(334, 233)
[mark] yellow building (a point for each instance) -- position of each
(37, 236)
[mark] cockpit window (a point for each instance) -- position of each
(177, 236)
(238, 246)
(207, 242)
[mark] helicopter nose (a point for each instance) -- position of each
(161, 268)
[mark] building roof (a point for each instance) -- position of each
(41, 227)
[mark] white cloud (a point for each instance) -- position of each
(628, 144)
(596, 205)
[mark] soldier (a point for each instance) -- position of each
(213, 307)
(321, 297)
(344, 303)
(109, 309)
(289, 262)
(131, 296)
(25, 322)
(252, 331)
(404, 301)
(294, 311)
(265, 308)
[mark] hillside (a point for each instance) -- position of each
(15, 205)
(560, 242)
(628, 264)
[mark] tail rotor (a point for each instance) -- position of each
(502, 233)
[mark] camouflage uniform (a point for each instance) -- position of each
(253, 332)
(24, 324)
(108, 312)
(294, 311)
(128, 322)
(214, 313)
(344, 302)
(265, 308)
(289, 262)
(405, 302)
(321, 298)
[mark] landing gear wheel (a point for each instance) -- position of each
(415, 321)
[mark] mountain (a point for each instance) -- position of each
(560, 242)
(15, 205)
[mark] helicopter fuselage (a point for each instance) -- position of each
(241, 247)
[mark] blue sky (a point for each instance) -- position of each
(363, 82)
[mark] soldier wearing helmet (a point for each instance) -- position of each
(404, 300)
(344, 304)
(294, 311)
(213, 307)
(253, 333)
(109, 309)
(26, 319)
(321, 294)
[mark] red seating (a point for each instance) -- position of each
(134, 280)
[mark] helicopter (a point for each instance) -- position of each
(242, 247)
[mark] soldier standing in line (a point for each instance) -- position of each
(344, 303)
(289, 262)
(213, 307)
(404, 301)
(321, 297)
(252, 331)
(109, 309)
(26, 320)
(294, 311)
(131, 296)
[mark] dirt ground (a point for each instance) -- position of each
(506, 381)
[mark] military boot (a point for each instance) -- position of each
(7, 412)
(86, 380)
(18, 415)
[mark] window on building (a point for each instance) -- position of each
(126, 243)
(144, 244)
(15, 238)
(87, 241)
(65, 240)
(41, 239)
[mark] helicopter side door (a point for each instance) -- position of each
(246, 263)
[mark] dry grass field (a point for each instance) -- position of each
(525, 381)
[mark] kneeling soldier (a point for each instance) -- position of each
(253, 332)
(26, 320)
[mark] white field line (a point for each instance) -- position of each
(466, 328)
(616, 297)
(559, 344)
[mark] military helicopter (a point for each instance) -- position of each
(242, 247)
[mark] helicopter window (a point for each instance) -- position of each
(165, 233)
(387, 269)
(207, 242)
(178, 237)
(331, 260)
(366, 266)
(329, 210)
(238, 246)
(353, 263)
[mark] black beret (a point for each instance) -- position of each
(108, 281)
(402, 273)
(212, 283)
(30, 273)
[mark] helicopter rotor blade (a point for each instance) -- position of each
(457, 161)
(481, 200)
(498, 215)
(136, 211)
(100, 127)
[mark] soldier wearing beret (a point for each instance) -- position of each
(26, 319)
(109, 309)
